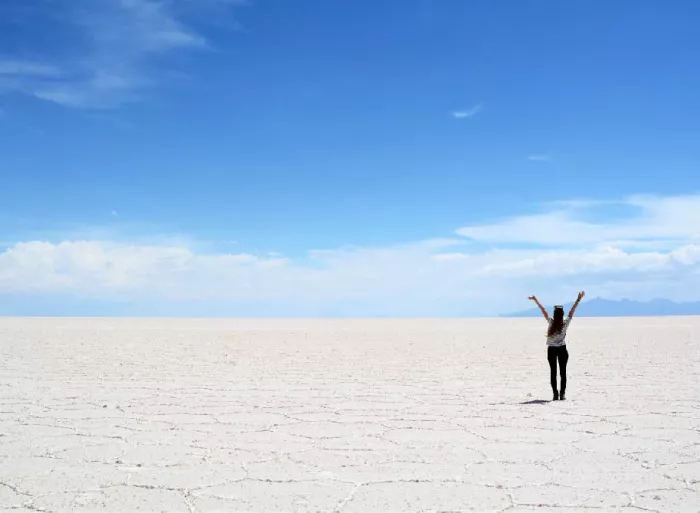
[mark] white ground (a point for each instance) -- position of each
(347, 416)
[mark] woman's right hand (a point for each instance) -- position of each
(532, 298)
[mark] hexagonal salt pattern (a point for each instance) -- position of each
(347, 416)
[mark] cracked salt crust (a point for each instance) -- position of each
(344, 416)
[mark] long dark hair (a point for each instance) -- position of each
(557, 321)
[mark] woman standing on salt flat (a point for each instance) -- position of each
(556, 342)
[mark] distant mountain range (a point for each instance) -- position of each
(599, 307)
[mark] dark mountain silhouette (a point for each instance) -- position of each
(599, 307)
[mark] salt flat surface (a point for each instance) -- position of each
(347, 416)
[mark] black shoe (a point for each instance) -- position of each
(556, 396)
(561, 397)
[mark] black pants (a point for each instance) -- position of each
(562, 355)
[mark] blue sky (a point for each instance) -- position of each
(275, 157)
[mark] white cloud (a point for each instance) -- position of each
(123, 40)
(467, 113)
(100, 268)
(448, 276)
(602, 260)
(656, 221)
(134, 28)
(539, 157)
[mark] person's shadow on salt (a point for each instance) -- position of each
(537, 401)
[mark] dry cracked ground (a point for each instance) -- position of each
(347, 416)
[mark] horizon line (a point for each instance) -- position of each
(331, 318)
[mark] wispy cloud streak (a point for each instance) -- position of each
(467, 113)
(123, 41)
